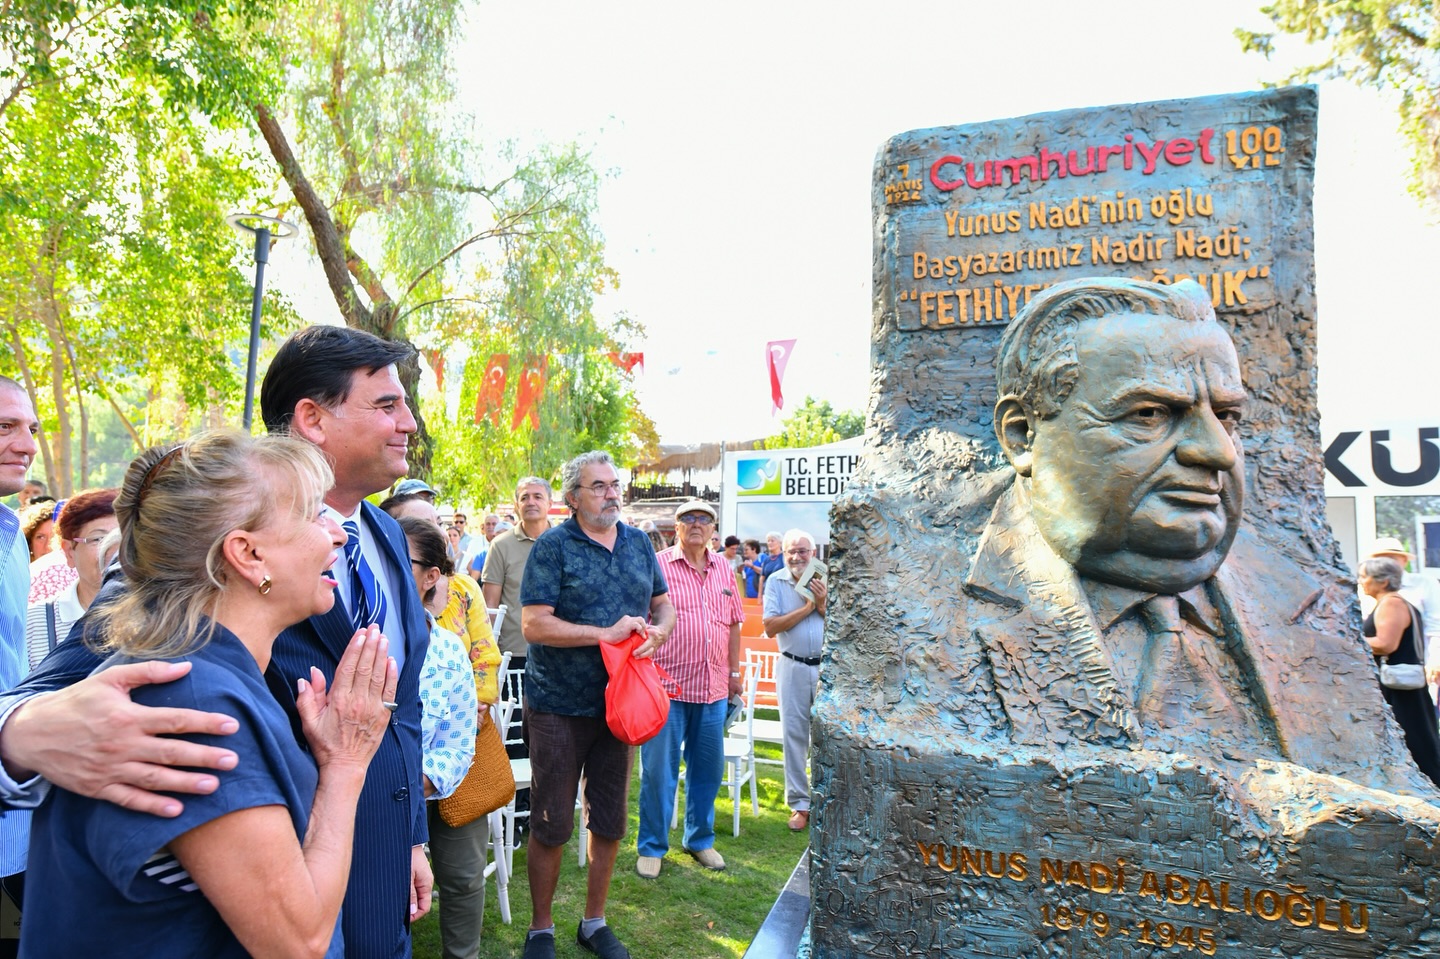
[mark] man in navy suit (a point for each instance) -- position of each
(337, 388)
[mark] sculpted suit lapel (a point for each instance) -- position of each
(1348, 737)
(1053, 674)
(1055, 678)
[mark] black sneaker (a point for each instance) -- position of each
(539, 947)
(604, 944)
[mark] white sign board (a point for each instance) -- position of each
(765, 491)
(1385, 481)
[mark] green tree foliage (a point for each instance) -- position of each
(120, 285)
(536, 296)
(816, 423)
(1386, 44)
(421, 243)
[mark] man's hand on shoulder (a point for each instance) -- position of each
(91, 739)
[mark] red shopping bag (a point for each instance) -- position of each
(636, 704)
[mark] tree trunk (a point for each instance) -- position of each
(343, 268)
(75, 377)
(64, 480)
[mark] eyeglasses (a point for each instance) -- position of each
(600, 489)
(697, 519)
(799, 551)
(90, 540)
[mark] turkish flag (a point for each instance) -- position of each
(628, 361)
(528, 390)
(436, 359)
(492, 389)
(777, 355)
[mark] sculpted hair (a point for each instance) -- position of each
(318, 364)
(1387, 572)
(570, 474)
(85, 507)
(175, 508)
(1037, 361)
(534, 481)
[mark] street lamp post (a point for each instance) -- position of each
(266, 230)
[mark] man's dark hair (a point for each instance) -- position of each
(732, 541)
(318, 364)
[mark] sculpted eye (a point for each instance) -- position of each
(1150, 415)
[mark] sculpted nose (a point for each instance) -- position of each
(1206, 442)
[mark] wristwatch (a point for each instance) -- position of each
(734, 675)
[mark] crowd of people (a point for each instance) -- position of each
(236, 694)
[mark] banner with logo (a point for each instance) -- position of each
(767, 491)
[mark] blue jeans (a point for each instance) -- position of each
(701, 727)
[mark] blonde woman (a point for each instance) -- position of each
(224, 545)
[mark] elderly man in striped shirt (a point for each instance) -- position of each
(703, 657)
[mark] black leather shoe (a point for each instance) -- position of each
(603, 944)
(539, 947)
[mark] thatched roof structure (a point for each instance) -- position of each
(691, 457)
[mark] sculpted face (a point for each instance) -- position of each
(1139, 480)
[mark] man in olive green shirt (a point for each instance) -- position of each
(505, 562)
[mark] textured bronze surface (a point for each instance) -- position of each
(1008, 763)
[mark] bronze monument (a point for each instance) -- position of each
(1094, 685)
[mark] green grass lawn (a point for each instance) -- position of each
(687, 912)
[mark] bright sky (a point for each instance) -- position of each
(741, 137)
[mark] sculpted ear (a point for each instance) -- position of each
(1013, 430)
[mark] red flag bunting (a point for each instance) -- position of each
(436, 359)
(528, 390)
(628, 361)
(491, 397)
(777, 356)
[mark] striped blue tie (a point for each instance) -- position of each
(365, 597)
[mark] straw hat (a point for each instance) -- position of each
(1388, 546)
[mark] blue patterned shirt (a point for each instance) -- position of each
(588, 585)
(450, 712)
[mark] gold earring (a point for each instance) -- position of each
(265, 585)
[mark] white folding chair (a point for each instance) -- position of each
(512, 689)
(766, 730)
(520, 769)
(767, 686)
(500, 864)
(497, 616)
